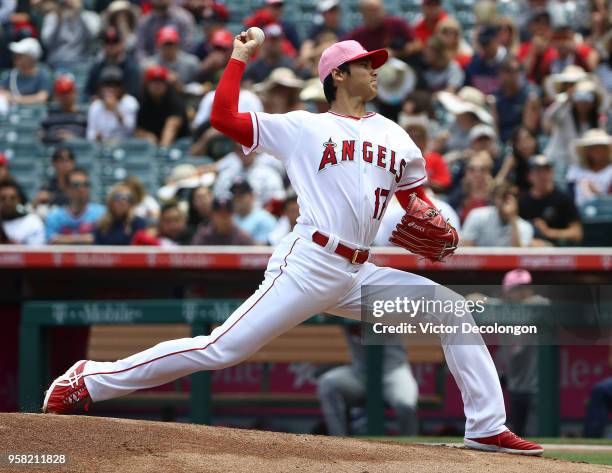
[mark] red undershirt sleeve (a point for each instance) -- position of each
(224, 116)
(404, 196)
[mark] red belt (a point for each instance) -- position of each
(354, 256)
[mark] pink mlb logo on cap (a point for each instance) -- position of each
(345, 51)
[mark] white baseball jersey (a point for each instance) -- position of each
(343, 169)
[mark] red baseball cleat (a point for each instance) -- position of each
(68, 393)
(506, 442)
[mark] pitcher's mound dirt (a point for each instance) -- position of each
(95, 444)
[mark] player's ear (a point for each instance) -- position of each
(337, 75)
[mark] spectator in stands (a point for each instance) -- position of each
(164, 13)
(484, 138)
(75, 222)
(344, 386)
(508, 35)
(287, 221)
(468, 108)
(433, 13)
(273, 13)
(122, 16)
(183, 67)
(55, 191)
(119, 224)
(569, 51)
(162, 117)
(515, 166)
(221, 42)
(170, 231)
(114, 54)
(280, 92)
(250, 218)
(222, 230)
(20, 226)
(112, 116)
(382, 31)
(449, 30)
(483, 70)
(438, 175)
(68, 33)
(438, 71)
(214, 16)
(200, 208)
(475, 188)
(571, 114)
(598, 410)
(258, 169)
(64, 121)
(600, 27)
(330, 21)
(499, 224)
(144, 206)
(514, 100)
(551, 211)
(271, 57)
(592, 177)
(28, 82)
(537, 54)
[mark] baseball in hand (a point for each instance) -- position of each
(256, 34)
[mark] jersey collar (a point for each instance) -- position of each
(367, 115)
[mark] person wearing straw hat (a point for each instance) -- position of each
(344, 165)
(592, 178)
(578, 109)
(468, 108)
(281, 91)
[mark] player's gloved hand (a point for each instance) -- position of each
(424, 231)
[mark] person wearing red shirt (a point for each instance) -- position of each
(537, 54)
(433, 13)
(438, 175)
(381, 31)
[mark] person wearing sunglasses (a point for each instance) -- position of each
(119, 224)
(74, 223)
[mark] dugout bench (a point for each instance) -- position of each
(201, 316)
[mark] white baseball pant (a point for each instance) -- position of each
(302, 279)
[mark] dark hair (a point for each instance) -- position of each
(170, 205)
(422, 103)
(329, 89)
(193, 217)
(508, 63)
(62, 150)
(516, 136)
(8, 183)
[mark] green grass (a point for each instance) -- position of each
(596, 457)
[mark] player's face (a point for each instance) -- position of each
(361, 82)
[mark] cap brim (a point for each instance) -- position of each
(378, 57)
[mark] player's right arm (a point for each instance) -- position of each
(224, 116)
(278, 134)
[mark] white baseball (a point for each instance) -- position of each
(256, 34)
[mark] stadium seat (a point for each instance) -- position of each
(84, 150)
(132, 150)
(597, 222)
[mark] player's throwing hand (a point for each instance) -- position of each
(244, 47)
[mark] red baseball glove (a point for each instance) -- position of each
(424, 231)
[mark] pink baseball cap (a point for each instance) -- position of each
(345, 51)
(515, 278)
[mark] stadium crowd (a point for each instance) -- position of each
(105, 133)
